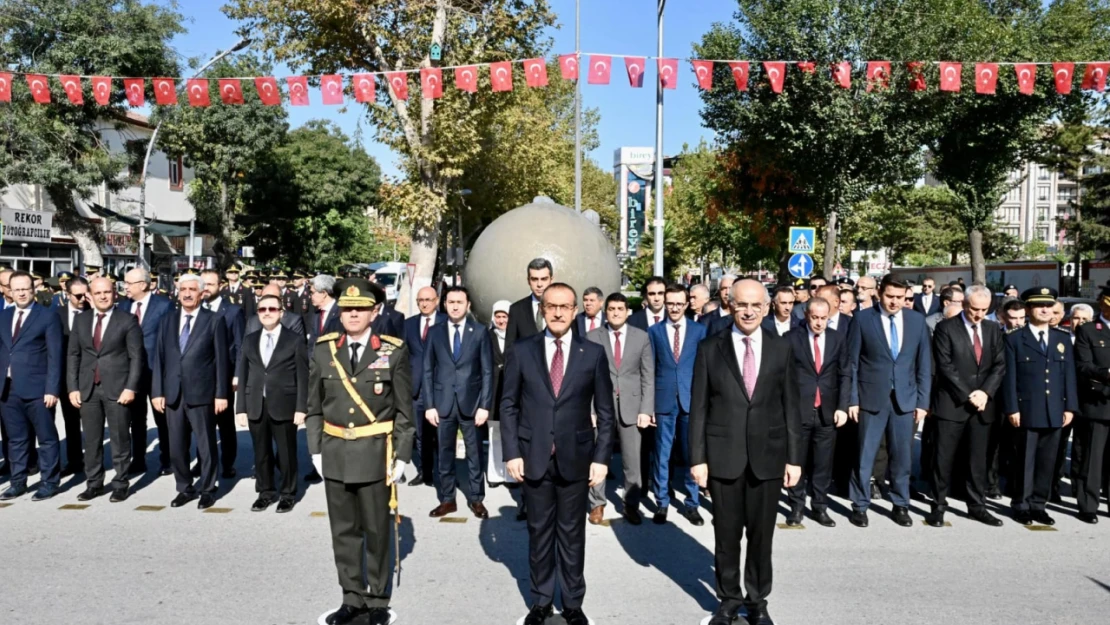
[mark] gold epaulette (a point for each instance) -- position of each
(392, 339)
(328, 337)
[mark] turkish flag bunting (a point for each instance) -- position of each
(535, 72)
(399, 83)
(1095, 77)
(1063, 73)
(466, 78)
(917, 76)
(704, 71)
(842, 74)
(1026, 77)
(986, 77)
(298, 90)
(40, 88)
(165, 93)
(72, 86)
(331, 89)
(950, 76)
(668, 73)
(363, 86)
(134, 90)
(197, 88)
(600, 66)
(431, 82)
(5, 87)
(568, 66)
(267, 89)
(775, 71)
(102, 89)
(231, 91)
(501, 76)
(740, 74)
(808, 67)
(634, 65)
(878, 75)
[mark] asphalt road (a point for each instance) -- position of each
(124, 563)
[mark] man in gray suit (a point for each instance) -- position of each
(632, 369)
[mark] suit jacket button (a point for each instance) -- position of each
(353, 380)
(352, 411)
(1047, 392)
(351, 425)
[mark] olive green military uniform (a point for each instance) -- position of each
(356, 450)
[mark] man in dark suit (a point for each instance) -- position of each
(31, 359)
(591, 317)
(780, 321)
(890, 396)
(272, 401)
(236, 292)
(191, 386)
(526, 315)
(653, 312)
(822, 369)
(551, 381)
(970, 363)
(457, 390)
(234, 321)
(389, 321)
(417, 329)
(293, 322)
(1092, 429)
(674, 343)
(1037, 405)
(926, 302)
(745, 445)
(149, 309)
(75, 303)
(323, 316)
(105, 367)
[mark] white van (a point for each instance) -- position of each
(389, 277)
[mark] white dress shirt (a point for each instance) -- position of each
(651, 316)
(1037, 333)
(670, 327)
(181, 321)
(549, 348)
(970, 331)
(214, 304)
(757, 347)
(535, 310)
(613, 339)
(782, 327)
(820, 345)
(276, 332)
(146, 305)
(596, 319)
(326, 310)
(897, 323)
(451, 332)
(103, 323)
(926, 301)
(834, 321)
(71, 316)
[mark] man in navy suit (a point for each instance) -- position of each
(552, 380)
(780, 321)
(890, 396)
(234, 320)
(417, 329)
(190, 385)
(926, 302)
(652, 313)
(323, 316)
(148, 308)
(457, 390)
(675, 344)
(31, 359)
(74, 302)
(591, 316)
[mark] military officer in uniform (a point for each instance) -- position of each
(1037, 404)
(360, 430)
(1092, 429)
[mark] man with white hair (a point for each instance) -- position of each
(322, 317)
(699, 296)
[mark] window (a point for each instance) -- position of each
(1042, 193)
(1042, 173)
(1042, 234)
(1042, 213)
(1008, 214)
(1065, 194)
(1011, 230)
(136, 153)
(1013, 196)
(177, 173)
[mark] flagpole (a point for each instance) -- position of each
(578, 106)
(659, 151)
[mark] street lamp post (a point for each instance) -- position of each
(241, 44)
(578, 106)
(659, 150)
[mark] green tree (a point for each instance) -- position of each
(642, 267)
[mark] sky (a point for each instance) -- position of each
(608, 27)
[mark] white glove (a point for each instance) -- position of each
(318, 462)
(397, 475)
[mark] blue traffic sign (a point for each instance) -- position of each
(800, 265)
(802, 239)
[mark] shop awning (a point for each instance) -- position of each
(164, 228)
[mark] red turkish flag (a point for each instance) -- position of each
(363, 85)
(1026, 77)
(298, 90)
(600, 66)
(775, 71)
(704, 71)
(668, 73)
(399, 83)
(878, 75)
(535, 72)
(1094, 78)
(842, 74)
(466, 78)
(165, 93)
(102, 89)
(808, 67)
(950, 76)
(231, 91)
(501, 76)
(986, 77)
(268, 91)
(431, 82)
(568, 66)
(5, 87)
(1063, 74)
(634, 65)
(40, 88)
(197, 88)
(72, 86)
(917, 75)
(134, 90)
(331, 89)
(740, 74)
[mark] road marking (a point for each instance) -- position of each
(74, 506)
(150, 508)
(1040, 528)
(452, 519)
(217, 510)
(784, 526)
(317, 514)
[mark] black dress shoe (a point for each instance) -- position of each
(345, 614)
(119, 494)
(538, 614)
(575, 616)
(91, 493)
(858, 518)
(759, 617)
(935, 518)
(182, 499)
(693, 516)
(986, 518)
(902, 516)
(285, 504)
(823, 519)
(633, 516)
(1024, 518)
(1088, 517)
(44, 493)
(723, 616)
(419, 479)
(660, 517)
(794, 519)
(261, 504)
(313, 477)
(228, 474)
(1040, 516)
(207, 500)
(13, 492)
(377, 616)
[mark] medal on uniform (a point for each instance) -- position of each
(379, 388)
(1060, 347)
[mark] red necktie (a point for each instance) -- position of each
(617, 349)
(656, 318)
(593, 322)
(557, 367)
(676, 348)
(424, 334)
(96, 344)
(817, 365)
(320, 330)
(139, 312)
(18, 327)
(977, 344)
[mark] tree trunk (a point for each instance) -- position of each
(978, 263)
(830, 245)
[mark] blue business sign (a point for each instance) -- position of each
(637, 197)
(802, 239)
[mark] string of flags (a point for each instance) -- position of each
(334, 88)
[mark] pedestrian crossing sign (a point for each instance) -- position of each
(801, 240)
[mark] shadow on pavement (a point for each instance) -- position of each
(674, 553)
(505, 540)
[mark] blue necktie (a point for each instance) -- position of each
(1044, 344)
(183, 340)
(456, 348)
(893, 339)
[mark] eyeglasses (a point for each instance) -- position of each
(134, 282)
(269, 309)
(675, 304)
(77, 296)
(558, 307)
(21, 290)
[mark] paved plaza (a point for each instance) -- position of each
(141, 561)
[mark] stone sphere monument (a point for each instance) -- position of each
(580, 253)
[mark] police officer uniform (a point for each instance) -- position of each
(242, 295)
(1040, 386)
(1092, 427)
(360, 421)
